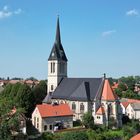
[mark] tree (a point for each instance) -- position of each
(25, 99)
(122, 87)
(32, 78)
(40, 92)
(129, 81)
(88, 120)
(8, 120)
(14, 90)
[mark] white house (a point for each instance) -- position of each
(133, 111)
(48, 117)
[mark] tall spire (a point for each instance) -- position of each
(58, 37)
(57, 52)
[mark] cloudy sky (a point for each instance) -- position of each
(99, 36)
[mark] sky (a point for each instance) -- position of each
(98, 36)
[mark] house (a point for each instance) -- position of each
(124, 106)
(50, 117)
(133, 111)
(136, 137)
(81, 94)
(21, 121)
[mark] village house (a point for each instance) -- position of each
(51, 117)
(133, 111)
(81, 94)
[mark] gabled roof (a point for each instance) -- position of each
(108, 93)
(48, 110)
(100, 111)
(57, 52)
(136, 137)
(125, 104)
(80, 89)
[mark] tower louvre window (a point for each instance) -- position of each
(53, 67)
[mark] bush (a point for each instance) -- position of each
(47, 136)
(77, 123)
(74, 136)
(88, 120)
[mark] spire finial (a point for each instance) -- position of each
(58, 38)
(104, 75)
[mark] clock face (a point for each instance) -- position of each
(52, 54)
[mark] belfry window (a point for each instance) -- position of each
(52, 67)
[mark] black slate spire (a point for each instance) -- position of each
(57, 52)
(58, 37)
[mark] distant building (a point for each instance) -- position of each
(47, 117)
(133, 111)
(81, 94)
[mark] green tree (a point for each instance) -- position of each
(25, 99)
(88, 120)
(129, 81)
(14, 90)
(9, 121)
(40, 92)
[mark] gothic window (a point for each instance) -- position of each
(110, 109)
(82, 107)
(73, 106)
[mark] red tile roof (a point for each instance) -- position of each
(125, 104)
(133, 101)
(100, 111)
(108, 93)
(136, 137)
(48, 110)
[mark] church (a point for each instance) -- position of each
(81, 94)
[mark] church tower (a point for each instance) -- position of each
(57, 62)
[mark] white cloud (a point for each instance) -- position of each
(107, 33)
(18, 11)
(132, 12)
(5, 12)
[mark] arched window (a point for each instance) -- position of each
(82, 107)
(73, 106)
(110, 109)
